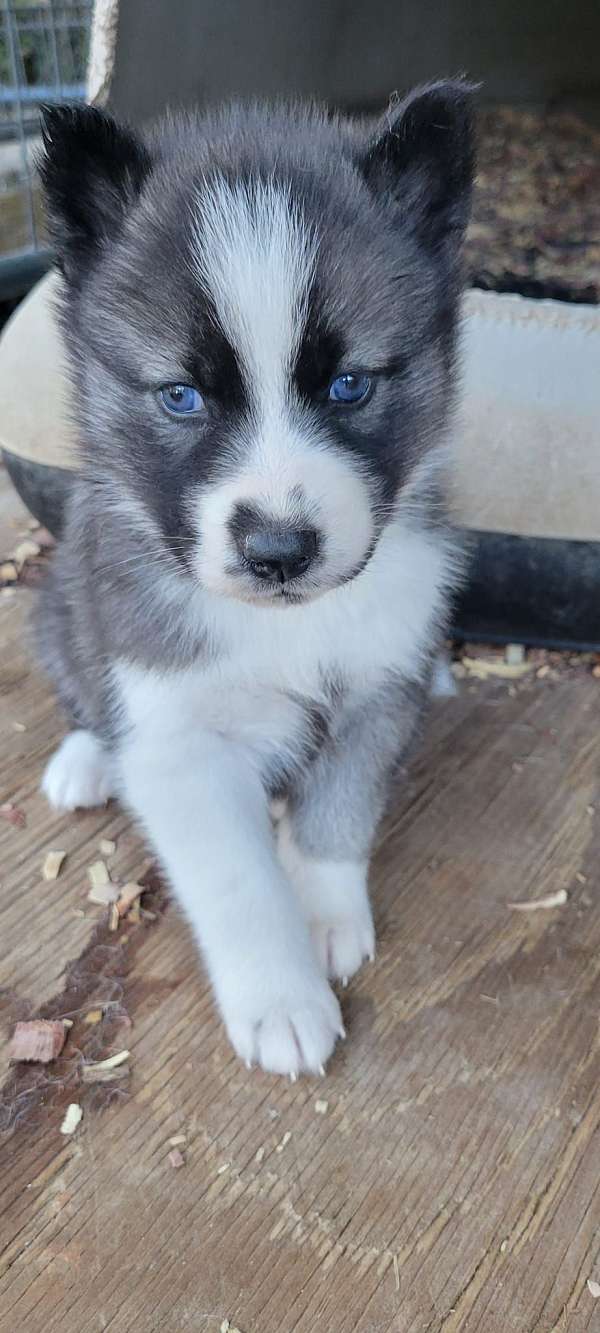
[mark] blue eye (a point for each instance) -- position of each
(350, 388)
(181, 400)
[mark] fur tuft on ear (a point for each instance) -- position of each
(91, 170)
(423, 156)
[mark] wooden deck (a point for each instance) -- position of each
(451, 1182)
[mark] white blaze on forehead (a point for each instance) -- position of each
(255, 255)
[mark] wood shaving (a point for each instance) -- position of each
(94, 1016)
(113, 921)
(72, 1118)
(13, 814)
(8, 572)
(40, 1040)
(284, 1142)
(514, 654)
(104, 895)
(481, 668)
(321, 1107)
(52, 866)
(26, 550)
(95, 1074)
(177, 1139)
(107, 847)
(176, 1158)
(129, 894)
(557, 899)
(111, 1062)
(98, 875)
(593, 1288)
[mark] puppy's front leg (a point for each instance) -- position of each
(202, 802)
(326, 834)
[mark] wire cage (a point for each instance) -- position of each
(43, 58)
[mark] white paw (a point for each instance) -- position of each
(335, 901)
(79, 775)
(342, 946)
(290, 1028)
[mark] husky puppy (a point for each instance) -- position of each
(260, 313)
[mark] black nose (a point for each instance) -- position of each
(278, 553)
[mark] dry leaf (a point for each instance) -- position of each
(482, 667)
(52, 866)
(593, 1288)
(26, 550)
(13, 814)
(72, 1118)
(40, 1039)
(176, 1158)
(107, 847)
(98, 875)
(321, 1107)
(557, 899)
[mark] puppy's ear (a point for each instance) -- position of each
(91, 171)
(423, 156)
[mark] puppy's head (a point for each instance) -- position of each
(260, 310)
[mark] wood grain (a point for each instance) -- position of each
(452, 1186)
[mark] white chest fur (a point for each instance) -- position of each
(268, 659)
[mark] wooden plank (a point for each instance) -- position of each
(452, 1183)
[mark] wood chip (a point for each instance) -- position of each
(176, 1158)
(40, 1040)
(396, 1272)
(104, 895)
(593, 1288)
(557, 899)
(52, 866)
(225, 1326)
(590, 810)
(94, 1016)
(321, 1107)
(13, 814)
(259, 1157)
(113, 920)
(222, 1169)
(72, 1118)
(482, 667)
(284, 1142)
(111, 1062)
(98, 875)
(8, 572)
(581, 879)
(129, 894)
(543, 671)
(177, 1139)
(26, 550)
(19, 726)
(107, 847)
(93, 1074)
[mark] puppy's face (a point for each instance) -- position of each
(260, 314)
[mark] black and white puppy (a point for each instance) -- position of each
(260, 311)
